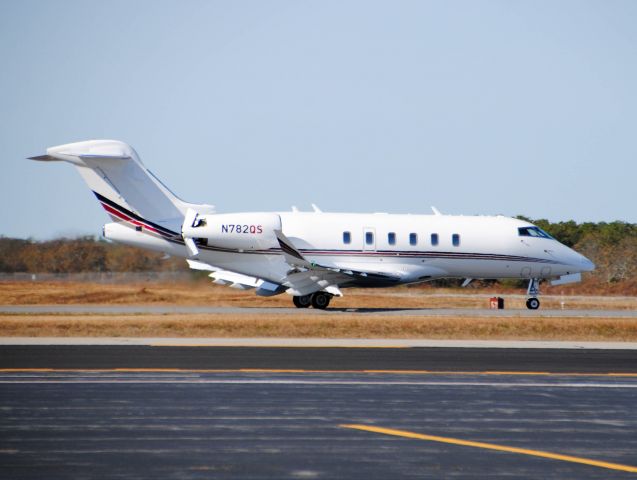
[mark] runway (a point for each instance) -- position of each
(308, 425)
(421, 312)
(374, 411)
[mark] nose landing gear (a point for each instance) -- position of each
(532, 304)
(533, 291)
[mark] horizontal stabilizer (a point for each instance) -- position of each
(45, 158)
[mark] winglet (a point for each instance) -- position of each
(291, 254)
(197, 265)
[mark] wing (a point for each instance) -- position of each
(309, 277)
(303, 278)
(236, 280)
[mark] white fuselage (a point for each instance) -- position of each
(400, 245)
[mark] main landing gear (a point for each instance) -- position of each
(533, 291)
(319, 300)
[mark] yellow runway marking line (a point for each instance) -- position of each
(30, 370)
(491, 446)
(431, 372)
(294, 370)
(136, 370)
(240, 345)
(282, 370)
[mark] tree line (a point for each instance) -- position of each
(611, 246)
(80, 255)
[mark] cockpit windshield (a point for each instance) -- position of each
(533, 232)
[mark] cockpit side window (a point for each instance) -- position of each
(533, 232)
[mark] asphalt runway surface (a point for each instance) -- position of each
(425, 312)
(168, 356)
(188, 425)
(194, 412)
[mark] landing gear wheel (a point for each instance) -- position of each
(303, 301)
(321, 300)
(532, 304)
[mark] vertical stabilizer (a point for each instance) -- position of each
(113, 170)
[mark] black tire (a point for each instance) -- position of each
(304, 301)
(532, 304)
(321, 300)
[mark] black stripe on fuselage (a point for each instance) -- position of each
(175, 237)
(162, 230)
(386, 253)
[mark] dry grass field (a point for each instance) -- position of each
(203, 293)
(341, 324)
(318, 326)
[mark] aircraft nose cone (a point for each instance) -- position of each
(587, 265)
(577, 261)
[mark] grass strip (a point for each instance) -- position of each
(313, 326)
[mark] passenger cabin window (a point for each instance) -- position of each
(533, 232)
(434, 239)
(413, 239)
(455, 240)
(347, 238)
(391, 238)
(369, 238)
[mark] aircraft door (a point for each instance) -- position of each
(369, 239)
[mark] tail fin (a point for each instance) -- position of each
(122, 183)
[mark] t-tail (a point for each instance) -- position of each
(134, 198)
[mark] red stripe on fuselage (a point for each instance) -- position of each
(119, 214)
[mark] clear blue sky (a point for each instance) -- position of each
(512, 107)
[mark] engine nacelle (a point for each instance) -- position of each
(121, 233)
(242, 231)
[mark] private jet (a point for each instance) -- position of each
(314, 255)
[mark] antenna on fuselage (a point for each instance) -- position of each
(435, 210)
(316, 209)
